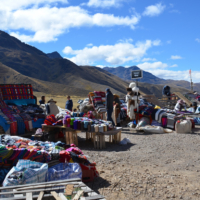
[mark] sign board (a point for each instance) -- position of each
(136, 74)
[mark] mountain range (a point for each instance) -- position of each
(125, 74)
(52, 74)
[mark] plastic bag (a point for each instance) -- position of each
(153, 129)
(25, 172)
(63, 171)
(144, 121)
(125, 141)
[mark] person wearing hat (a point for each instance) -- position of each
(42, 100)
(53, 108)
(109, 105)
(117, 108)
(180, 105)
(69, 104)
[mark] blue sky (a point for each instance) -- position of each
(162, 37)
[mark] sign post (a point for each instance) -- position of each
(137, 74)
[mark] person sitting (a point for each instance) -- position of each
(53, 108)
(42, 100)
(75, 110)
(69, 104)
(193, 107)
(180, 105)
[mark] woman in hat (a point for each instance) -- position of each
(131, 100)
(117, 109)
(53, 108)
(180, 105)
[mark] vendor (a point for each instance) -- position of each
(53, 108)
(42, 101)
(69, 104)
(180, 105)
(193, 107)
(117, 105)
(109, 105)
(131, 100)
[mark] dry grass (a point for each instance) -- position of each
(61, 100)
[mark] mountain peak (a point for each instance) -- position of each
(54, 55)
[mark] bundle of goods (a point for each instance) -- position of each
(13, 148)
(16, 91)
(87, 124)
(29, 172)
(98, 99)
(10, 123)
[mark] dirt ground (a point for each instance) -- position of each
(61, 100)
(153, 166)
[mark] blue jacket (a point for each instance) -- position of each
(109, 100)
(69, 104)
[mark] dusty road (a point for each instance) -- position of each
(157, 166)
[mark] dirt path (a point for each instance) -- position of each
(154, 166)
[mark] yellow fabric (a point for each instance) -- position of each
(115, 95)
(91, 94)
(157, 107)
(71, 161)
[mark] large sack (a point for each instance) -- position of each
(25, 172)
(144, 121)
(63, 171)
(183, 126)
(153, 129)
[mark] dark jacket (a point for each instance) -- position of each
(109, 100)
(166, 90)
(69, 105)
(41, 102)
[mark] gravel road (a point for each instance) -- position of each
(153, 166)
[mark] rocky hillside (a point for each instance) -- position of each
(22, 63)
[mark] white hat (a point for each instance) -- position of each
(132, 85)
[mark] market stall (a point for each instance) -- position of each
(19, 110)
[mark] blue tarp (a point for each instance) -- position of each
(38, 123)
(4, 124)
(19, 102)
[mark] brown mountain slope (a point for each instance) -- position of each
(22, 63)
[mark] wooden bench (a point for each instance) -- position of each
(98, 138)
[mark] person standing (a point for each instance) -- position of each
(69, 104)
(42, 100)
(109, 105)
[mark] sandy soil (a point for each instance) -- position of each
(61, 100)
(157, 166)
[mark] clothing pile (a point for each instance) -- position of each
(98, 100)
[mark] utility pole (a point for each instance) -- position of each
(191, 83)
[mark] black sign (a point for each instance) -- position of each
(137, 74)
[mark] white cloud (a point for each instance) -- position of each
(117, 54)
(148, 59)
(162, 70)
(175, 65)
(176, 75)
(176, 57)
(21, 4)
(155, 65)
(104, 3)
(154, 10)
(197, 40)
(47, 23)
(90, 45)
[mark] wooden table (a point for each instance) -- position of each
(48, 191)
(99, 137)
(70, 134)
